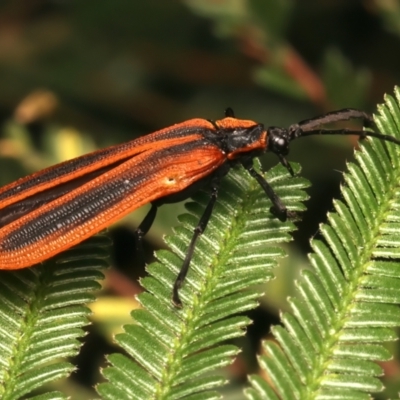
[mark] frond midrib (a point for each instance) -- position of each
(191, 318)
(341, 317)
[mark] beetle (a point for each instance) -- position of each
(51, 210)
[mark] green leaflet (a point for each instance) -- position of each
(174, 353)
(42, 313)
(347, 306)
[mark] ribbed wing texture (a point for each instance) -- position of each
(172, 353)
(346, 307)
(42, 313)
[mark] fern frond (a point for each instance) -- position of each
(42, 313)
(346, 308)
(174, 353)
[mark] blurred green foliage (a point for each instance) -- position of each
(113, 70)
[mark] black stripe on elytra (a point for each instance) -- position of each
(17, 210)
(88, 205)
(58, 171)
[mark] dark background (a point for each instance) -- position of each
(80, 75)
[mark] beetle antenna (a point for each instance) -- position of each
(311, 126)
(337, 116)
(387, 138)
